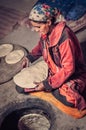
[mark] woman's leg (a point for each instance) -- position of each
(61, 98)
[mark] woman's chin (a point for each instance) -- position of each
(41, 34)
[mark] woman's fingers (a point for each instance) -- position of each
(25, 62)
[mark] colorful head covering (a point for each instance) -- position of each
(42, 12)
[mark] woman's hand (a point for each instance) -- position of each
(39, 86)
(25, 62)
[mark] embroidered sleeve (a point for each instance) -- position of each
(47, 86)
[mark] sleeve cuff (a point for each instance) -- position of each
(30, 57)
(47, 86)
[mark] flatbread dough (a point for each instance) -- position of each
(5, 49)
(35, 73)
(14, 57)
(33, 120)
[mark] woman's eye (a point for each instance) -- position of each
(37, 27)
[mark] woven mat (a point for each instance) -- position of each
(9, 18)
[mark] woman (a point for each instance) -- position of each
(61, 51)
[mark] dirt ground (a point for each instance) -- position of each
(25, 37)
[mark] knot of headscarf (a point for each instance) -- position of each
(42, 12)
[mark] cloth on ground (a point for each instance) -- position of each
(74, 112)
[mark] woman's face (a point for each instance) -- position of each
(41, 28)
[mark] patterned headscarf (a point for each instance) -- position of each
(42, 12)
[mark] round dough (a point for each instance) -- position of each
(35, 73)
(14, 57)
(5, 49)
(33, 121)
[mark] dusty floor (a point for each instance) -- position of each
(24, 37)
